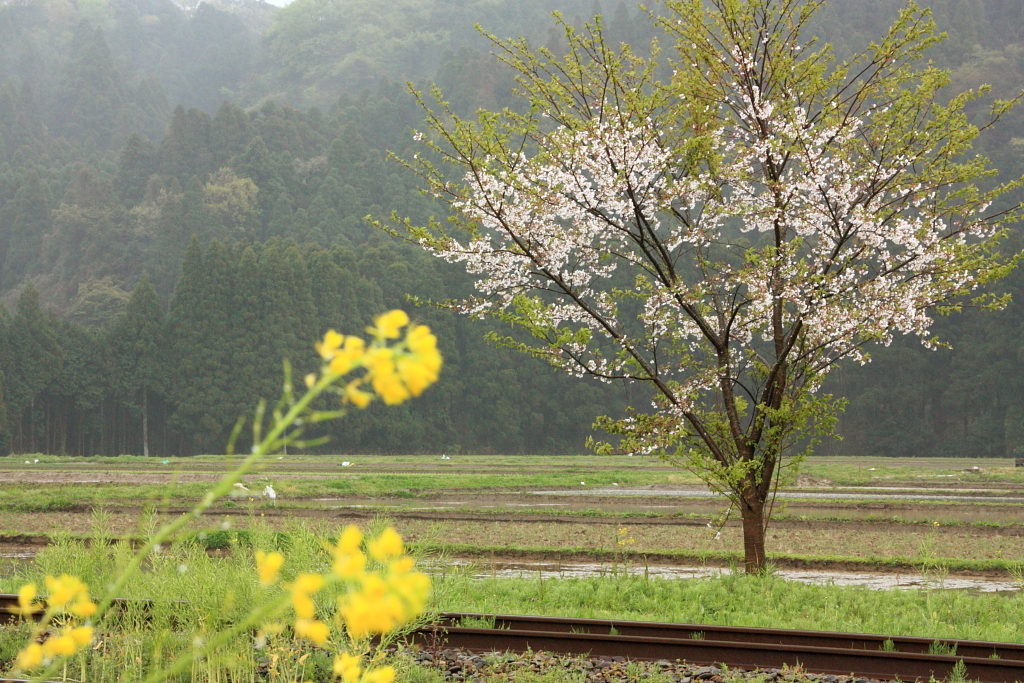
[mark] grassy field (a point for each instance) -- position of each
(72, 511)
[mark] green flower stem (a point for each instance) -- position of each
(222, 488)
(254, 618)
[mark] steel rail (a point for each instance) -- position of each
(772, 636)
(10, 610)
(827, 653)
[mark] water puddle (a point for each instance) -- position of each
(876, 581)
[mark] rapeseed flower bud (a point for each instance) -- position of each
(268, 565)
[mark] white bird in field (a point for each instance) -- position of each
(270, 493)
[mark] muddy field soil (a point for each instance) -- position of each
(875, 542)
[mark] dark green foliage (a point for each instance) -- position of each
(21, 235)
(143, 384)
(135, 165)
(88, 99)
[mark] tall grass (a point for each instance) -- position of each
(191, 592)
(743, 600)
(184, 594)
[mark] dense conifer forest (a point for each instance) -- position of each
(183, 193)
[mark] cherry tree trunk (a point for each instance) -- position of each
(753, 535)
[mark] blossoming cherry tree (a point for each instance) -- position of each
(726, 236)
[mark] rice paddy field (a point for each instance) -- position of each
(842, 513)
(904, 547)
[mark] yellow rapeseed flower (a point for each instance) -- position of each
(349, 565)
(372, 610)
(388, 324)
(63, 590)
(347, 667)
(356, 396)
(386, 546)
(315, 631)
(303, 605)
(351, 539)
(82, 635)
(83, 607)
(348, 355)
(330, 345)
(402, 565)
(364, 618)
(26, 594)
(304, 586)
(309, 583)
(380, 363)
(31, 657)
(415, 375)
(413, 588)
(60, 646)
(268, 565)
(385, 674)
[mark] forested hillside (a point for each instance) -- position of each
(183, 193)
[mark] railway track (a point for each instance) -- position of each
(863, 655)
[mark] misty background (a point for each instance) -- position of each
(182, 199)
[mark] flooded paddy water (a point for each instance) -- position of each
(16, 556)
(509, 568)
